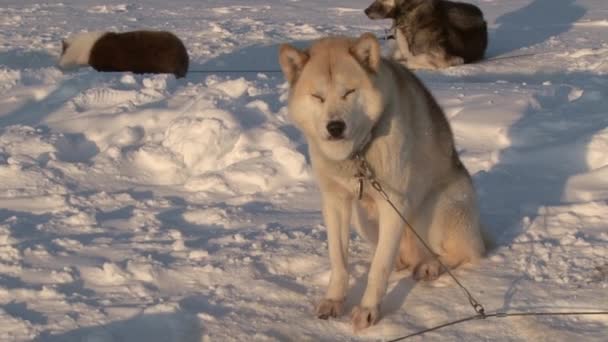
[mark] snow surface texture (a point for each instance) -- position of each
(141, 208)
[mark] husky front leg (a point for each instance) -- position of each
(390, 230)
(336, 213)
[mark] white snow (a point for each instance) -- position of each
(145, 208)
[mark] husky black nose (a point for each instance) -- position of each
(336, 128)
(367, 10)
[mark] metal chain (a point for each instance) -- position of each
(366, 173)
(389, 34)
(499, 315)
(227, 71)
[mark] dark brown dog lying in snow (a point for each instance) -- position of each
(137, 51)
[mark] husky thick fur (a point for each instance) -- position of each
(348, 100)
(434, 34)
(137, 51)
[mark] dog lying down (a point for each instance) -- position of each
(434, 34)
(136, 51)
(350, 102)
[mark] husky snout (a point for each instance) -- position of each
(377, 10)
(336, 129)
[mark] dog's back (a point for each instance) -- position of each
(463, 15)
(140, 52)
(467, 30)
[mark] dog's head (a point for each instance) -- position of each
(382, 9)
(334, 98)
(76, 49)
(65, 59)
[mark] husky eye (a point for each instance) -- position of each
(348, 92)
(319, 97)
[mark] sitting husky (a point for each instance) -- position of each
(351, 105)
(434, 34)
(136, 51)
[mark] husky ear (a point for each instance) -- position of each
(292, 62)
(366, 50)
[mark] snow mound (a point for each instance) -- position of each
(203, 142)
(158, 133)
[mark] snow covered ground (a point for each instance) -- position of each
(142, 208)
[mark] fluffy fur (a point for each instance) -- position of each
(434, 34)
(136, 51)
(390, 117)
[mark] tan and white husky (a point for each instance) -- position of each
(347, 99)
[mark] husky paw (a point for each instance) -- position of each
(428, 270)
(329, 308)
(363, 317)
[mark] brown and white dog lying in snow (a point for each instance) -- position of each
(136, 51)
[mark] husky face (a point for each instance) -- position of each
(333, 97)
(382, 9)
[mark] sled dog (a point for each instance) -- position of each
(434, 34)
(350, 102)
(136, 51)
